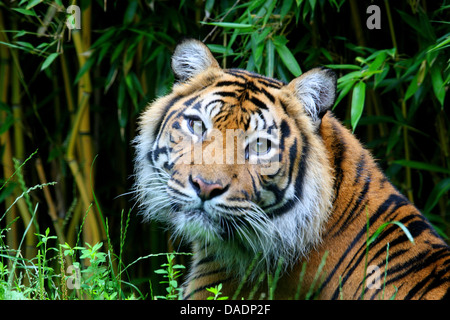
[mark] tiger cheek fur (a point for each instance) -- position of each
(294, 188)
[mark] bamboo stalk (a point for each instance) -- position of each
(67, 86)
(5, 139)
(357, 23)
(93, 228)
(18, 151)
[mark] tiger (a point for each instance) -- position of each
(266, 184)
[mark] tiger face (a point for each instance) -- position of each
(232, 161)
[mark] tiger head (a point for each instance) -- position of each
(233, 161)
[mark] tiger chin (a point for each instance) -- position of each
(261, 178)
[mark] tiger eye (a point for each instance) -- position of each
(261, 146)
(197, 127)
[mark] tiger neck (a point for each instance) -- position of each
(360, 187)
(351, 163)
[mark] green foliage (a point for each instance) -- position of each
(392, 92)
(216, 291)
(171, 272)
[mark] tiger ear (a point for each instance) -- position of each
(316, 90)
(190, 58)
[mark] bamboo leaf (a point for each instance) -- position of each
(358, 98)
(438, 84)
(344, 90)
(25, 12)
(287, 57)
(421, 166)
(285, 8)
(270, 58)
(384, 225)
(343, 66)
(438, 191)
(217, 48)
(229, 25)
(33, 3)
(48, 61)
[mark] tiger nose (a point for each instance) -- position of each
(206, 190)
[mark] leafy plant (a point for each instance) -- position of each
(216, 291)
(171, 272)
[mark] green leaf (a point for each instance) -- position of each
(285, 8)
(438, 84)
(270, 58)
(413, 86)
(384, 225)
(33, 3)
(161, 271)
(344, 90)
(25, 11)
(212, 290)
(343, 66)
(229, 25)
(217, 48)
(25, 45)
(422, 166)
(378, 62)
(288, 59)
(84, 69)
(438, 191)
(358, 97)
(48, 61)
(351, 76)
(444, 44)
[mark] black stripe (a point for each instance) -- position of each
(279, 194)
(360, 168)
(156, 153)
(229, 83)
(190, 101)
(258, 103)
(381, 209)
(269, 82)
(177, 192)
(447, 294)
(226, 94)
(285, 133)
(181, 184)
(358, 207)
(166, 109)
(340, 147)
(150, 158)
(255, 188)
(299, 180)
(212, 103)
(176, 125)
(419, 286)
(209, 273)
(341, 217)
(268, 95)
